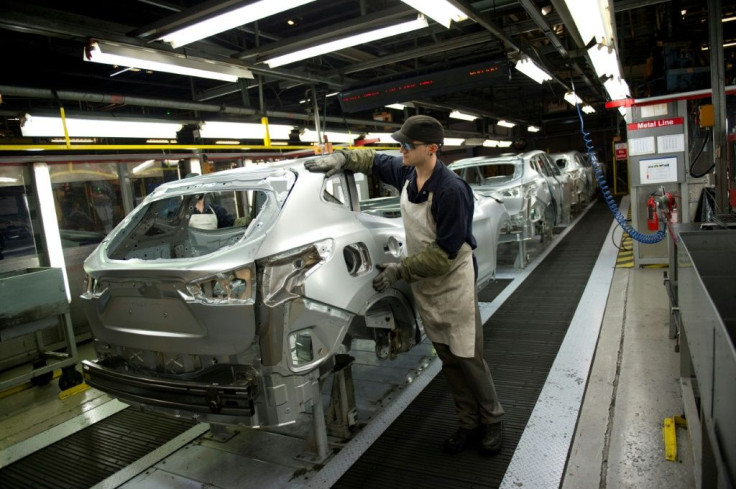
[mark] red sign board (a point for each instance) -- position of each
(622, 151)
(674, 121)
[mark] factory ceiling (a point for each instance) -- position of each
(660, 45)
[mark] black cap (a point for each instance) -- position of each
(421, 128)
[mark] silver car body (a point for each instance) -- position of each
(511, 178)
(581, 174)
(559, 185)
(234, 324)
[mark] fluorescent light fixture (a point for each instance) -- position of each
(227, 141)
(474, 142)
(135, 57)
(532, 129)
(530, 69)
(546, 10)
(456, 114)
(705, 47)
(160, 141)
(605, 60)
(74, 140)
(504, 123)
(617, 88)
(504, 144)
(311, 136)
(572, 99)
(496, 143)
(142, 167)
(453, 141)
(40, 126)
(396, 106)
(347, 42)
(592, 19)
(728, 19)
(229, 20)
(441, 11)
(9, 180)
(588, 109)
(242, 130)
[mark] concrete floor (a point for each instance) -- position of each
(618, 440)
(633, 386)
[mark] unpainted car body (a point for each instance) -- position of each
(235, 324)
(559, 185)
(573, 163)
(523, 190)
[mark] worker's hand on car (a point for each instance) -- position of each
(329, 164)
(390, 273)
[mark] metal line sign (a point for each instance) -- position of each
(659, 123)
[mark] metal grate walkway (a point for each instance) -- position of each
(521, 341)
(94, 453)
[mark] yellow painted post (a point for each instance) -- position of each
(63, 124)
(266, 134)
(670, 439)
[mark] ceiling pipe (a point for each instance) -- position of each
(173, 104)
(539, 19)
(491, 27)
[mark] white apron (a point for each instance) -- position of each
(445, 303)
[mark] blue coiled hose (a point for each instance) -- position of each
(620, 218)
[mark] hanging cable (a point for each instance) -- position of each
(695, 160)
(610, 202)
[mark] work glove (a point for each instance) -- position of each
(360, 160)
(390, 273)
(328, 164)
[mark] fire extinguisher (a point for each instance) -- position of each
(652, 218)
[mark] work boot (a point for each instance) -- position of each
(490, 443)
(463, 438)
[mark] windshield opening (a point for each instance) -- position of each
(192, 224)
(491, 174)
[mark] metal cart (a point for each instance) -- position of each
(34, 299)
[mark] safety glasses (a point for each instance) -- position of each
(410, 146)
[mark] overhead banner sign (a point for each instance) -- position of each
(421, 87)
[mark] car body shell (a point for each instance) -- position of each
(235, 325)
(513, 179)
(574, 164)
(559, 184)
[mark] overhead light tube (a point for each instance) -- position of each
(229, 20)
(441, 11)
(243, 130)
(347, 42)
(42, 126)
(453, 142)
(503, 123)
(135, 57)
(456, 114)
(592, 19)
(605, 60)
(532, 129)
(530, 69)
(572, 99)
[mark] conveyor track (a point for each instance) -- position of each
(522, 339)
(94, 453)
